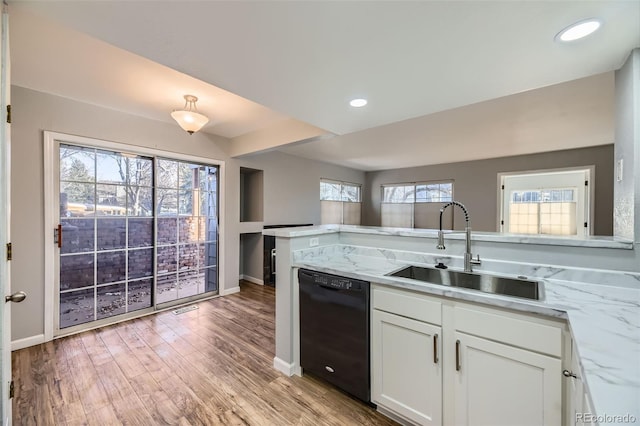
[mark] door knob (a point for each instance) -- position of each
(16, 297)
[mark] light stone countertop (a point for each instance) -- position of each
(585, 241)
(604, 319)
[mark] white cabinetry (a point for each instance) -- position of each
(406, 367)
(498, 384)
(439, 361)
(508, 369)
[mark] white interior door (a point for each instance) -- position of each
(5, 287)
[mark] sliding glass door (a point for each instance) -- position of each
(134, 232)
(186, 258)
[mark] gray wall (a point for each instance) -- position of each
(627, 191)
(290, 195)
(251, 255)
(251, 191)
(35, 112)
(475, 183)
(292, 185)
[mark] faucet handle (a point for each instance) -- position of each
(476, 261)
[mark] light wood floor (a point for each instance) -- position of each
(205, 367)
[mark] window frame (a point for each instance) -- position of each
(342, 199)
(415, 201)
(589, 195)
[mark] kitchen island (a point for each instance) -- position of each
(600, 304)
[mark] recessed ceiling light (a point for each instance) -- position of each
(357, 103)
(579, 30)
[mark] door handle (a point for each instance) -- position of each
(59, 235)
(16, 297)
(457, 355)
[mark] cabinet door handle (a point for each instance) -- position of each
(457, 355)
(435, 348)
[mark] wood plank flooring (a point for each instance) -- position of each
(210, 366)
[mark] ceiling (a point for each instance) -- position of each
(446, 80)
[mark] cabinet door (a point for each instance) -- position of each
(497, 384)
(407, 373)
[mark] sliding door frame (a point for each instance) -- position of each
(52, 141)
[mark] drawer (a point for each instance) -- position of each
(512, 329)
(407, 304)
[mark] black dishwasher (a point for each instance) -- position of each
(334, 330)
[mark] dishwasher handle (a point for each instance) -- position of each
(273, 261)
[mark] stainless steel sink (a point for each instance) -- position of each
(486, 283)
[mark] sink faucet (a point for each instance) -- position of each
(468, 258)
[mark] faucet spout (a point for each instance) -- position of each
(468, 258)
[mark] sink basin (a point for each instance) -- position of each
(486, 283)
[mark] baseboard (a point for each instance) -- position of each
(27, 341)
(231, 290)
(284, 367)
(252, 279)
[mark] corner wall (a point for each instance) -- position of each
(627, 190)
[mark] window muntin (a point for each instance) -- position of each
(431, 192)
(543, 211)
(340, 191)
(397, 194)
(440, 192)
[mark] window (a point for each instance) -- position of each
(416, 205)
(548, 211)
(550, 203)
(340, 202)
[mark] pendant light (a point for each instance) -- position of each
(188, 117)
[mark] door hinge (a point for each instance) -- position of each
(585, 225)
(9, 114)
(502, 222)
(586, 183)
(12, 389)
(503, 187)
(9, 251)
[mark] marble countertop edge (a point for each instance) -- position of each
(587, 241)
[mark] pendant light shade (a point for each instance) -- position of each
(189, 118)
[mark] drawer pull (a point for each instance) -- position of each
(435, 348)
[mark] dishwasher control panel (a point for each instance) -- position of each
(336, 282)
